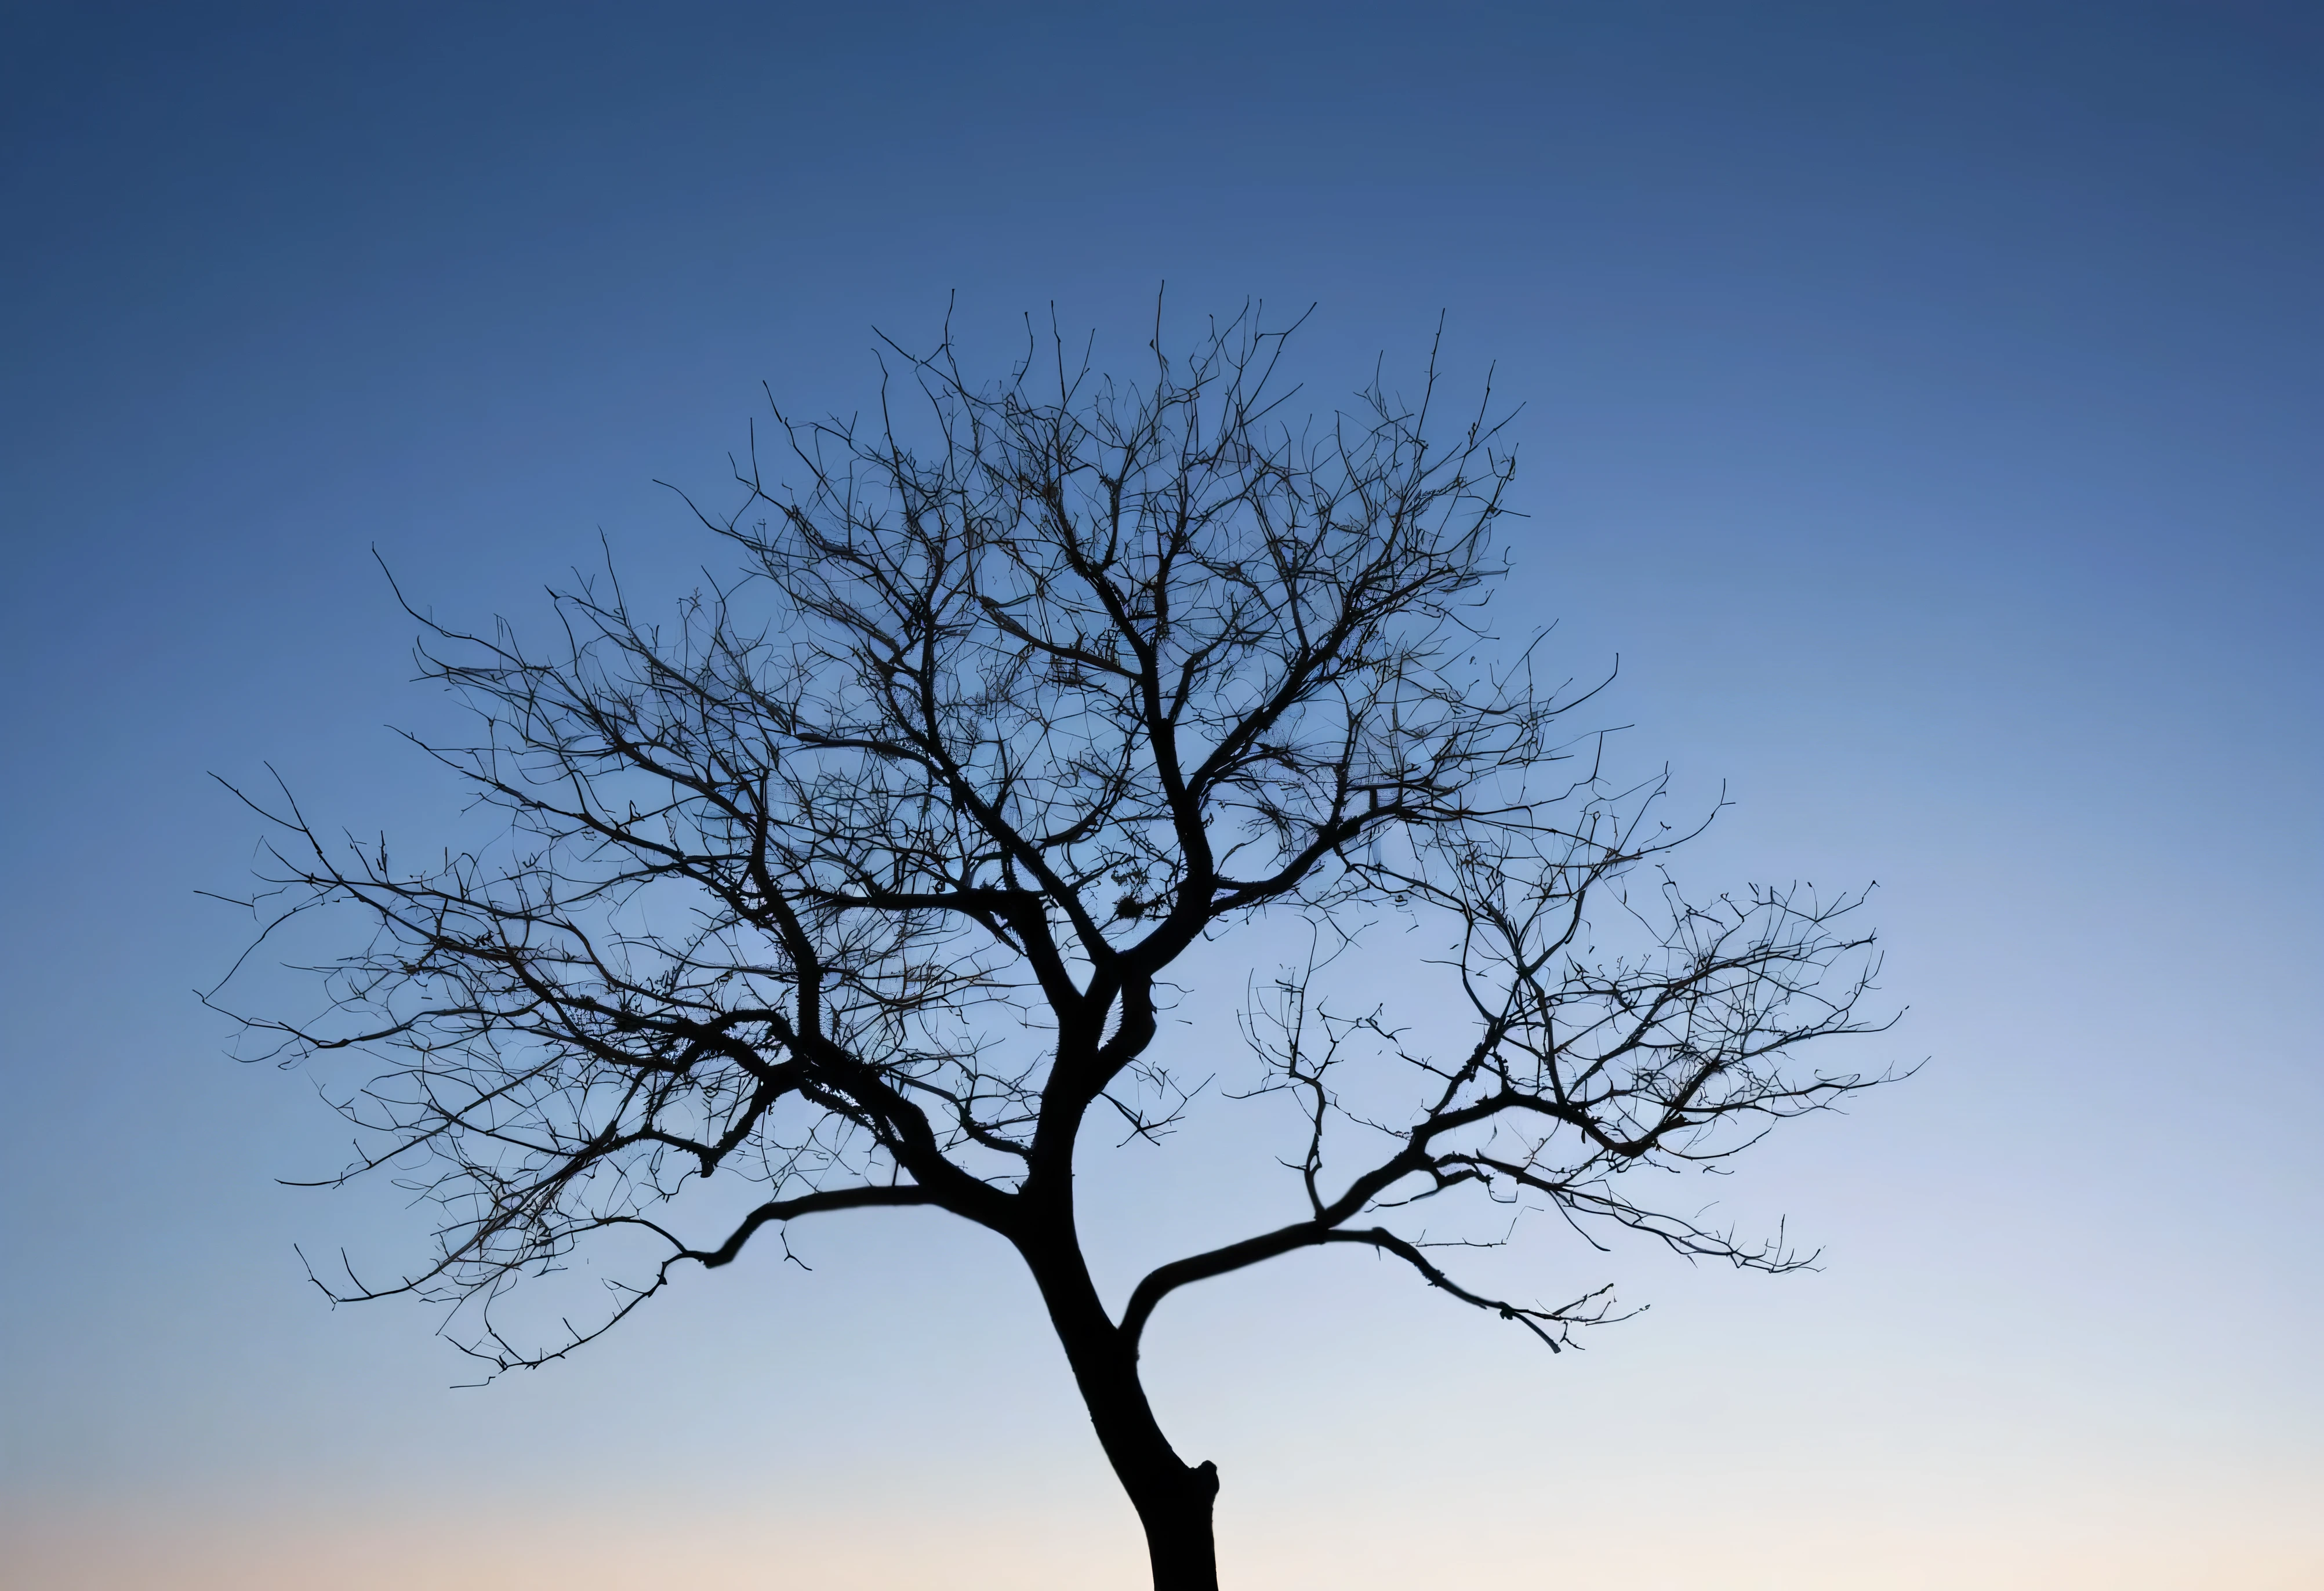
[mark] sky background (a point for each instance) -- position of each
(1922, 401)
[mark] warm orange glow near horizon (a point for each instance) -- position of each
(2162, 1541)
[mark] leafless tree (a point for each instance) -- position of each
(860, 881)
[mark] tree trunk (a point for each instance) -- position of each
(1177, 1519)
(1172, 1498)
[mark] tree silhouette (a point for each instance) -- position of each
(862, 879)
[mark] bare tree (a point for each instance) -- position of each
(862, 879)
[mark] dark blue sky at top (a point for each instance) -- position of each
(1923, 400)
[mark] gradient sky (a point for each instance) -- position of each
(1921, 401)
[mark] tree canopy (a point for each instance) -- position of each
(862, 876)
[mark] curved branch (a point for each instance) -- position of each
(819, 1202)
(1589, 1310)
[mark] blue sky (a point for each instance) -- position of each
(1921, 400)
